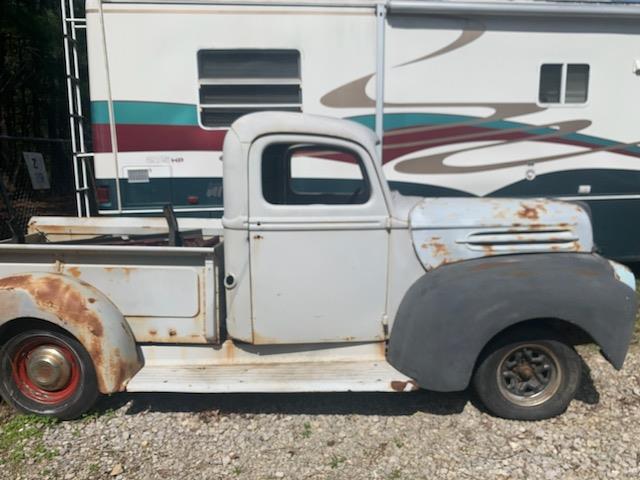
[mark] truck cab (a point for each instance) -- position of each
(313, 263)
(316, 284)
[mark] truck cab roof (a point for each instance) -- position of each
(250, 127)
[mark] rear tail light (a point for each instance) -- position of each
(103, 194)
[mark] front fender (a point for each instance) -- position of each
(84, 312)
(448, 316)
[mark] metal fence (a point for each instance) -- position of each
(27, 201)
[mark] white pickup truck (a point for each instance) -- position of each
(314, 285)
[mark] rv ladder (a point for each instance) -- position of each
(71, 24)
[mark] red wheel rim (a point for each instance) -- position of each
(25, 384)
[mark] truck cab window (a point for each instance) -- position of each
(306, 174)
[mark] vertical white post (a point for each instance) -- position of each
(381, 19)
(112, 118)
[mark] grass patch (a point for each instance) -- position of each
(21, 437)
(306, 432)
(96, 414)
(395, 474)
(336, 461)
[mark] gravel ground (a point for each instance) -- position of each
(329, 436)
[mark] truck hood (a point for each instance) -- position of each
(446, 230)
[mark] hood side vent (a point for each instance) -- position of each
(522, 241)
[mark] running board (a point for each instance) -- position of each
(321, 376)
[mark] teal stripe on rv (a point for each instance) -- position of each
(145, 113)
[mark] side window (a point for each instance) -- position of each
(236, 82)
(550, 83)
(563, 83)
(307, 174)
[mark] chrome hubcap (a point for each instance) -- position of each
(48, 368)
(529, 375)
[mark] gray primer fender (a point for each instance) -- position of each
(84, 312)
(448, 316)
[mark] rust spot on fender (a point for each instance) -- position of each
(53, 294)
(439, 249)
(119, 374)
(404, 386)
(91, 300)
(172, 332)
(153, 332)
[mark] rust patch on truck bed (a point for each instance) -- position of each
(74, 271)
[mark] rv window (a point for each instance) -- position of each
(236, 82)
(550, 82)
(577, 83)
(303, 174)
(573, 77)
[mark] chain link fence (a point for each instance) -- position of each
(25, 197)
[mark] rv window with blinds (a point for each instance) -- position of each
(236, 82)
(563, 83)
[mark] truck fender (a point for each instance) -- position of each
(84, 312)
(450, 314)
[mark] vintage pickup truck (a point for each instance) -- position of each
(311, 284)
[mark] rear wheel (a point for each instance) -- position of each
(47, 373)
(528, 375)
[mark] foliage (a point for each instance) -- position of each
(32, 77)
(33, 105)
(21, 436)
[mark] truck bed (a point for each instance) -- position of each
(166, 294)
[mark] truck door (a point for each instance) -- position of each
(318, 241)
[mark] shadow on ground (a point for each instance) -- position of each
(392, 404)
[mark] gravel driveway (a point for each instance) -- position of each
(329, 436)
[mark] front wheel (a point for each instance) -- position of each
(47, 373)
(528, 375)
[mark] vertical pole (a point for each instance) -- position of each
(112, 121)
(67, 68)
(381, 19)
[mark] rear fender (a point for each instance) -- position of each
(84, 312)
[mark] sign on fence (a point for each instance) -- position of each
(37, 170)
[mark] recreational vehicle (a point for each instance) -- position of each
(469, 99)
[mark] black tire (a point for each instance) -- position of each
(519, 363)
(74, 397)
